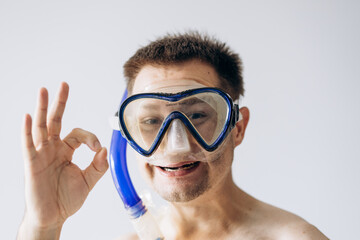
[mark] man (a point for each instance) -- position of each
(204, 202)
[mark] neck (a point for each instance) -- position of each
(220, 208)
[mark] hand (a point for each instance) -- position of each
(55, 187)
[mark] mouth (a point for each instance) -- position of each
(179, 170)
(182, 167)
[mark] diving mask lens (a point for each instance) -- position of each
(147, 119)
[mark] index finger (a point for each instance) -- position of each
(78, 136)
(57, 111)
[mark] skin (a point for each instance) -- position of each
(55, 188)
(215, 208)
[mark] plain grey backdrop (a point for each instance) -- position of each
(301, 71)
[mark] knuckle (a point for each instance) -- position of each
(76, 130)
(44, 143)
(97, 170)
(55, 137)
(62, 103)
(92, 136)
(85, 134)
(71, 143)
(75, 139)
(42, 125)
(56, 119)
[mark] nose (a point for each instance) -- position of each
(177, 138)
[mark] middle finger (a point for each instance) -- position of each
(40, 128)
(57, 111)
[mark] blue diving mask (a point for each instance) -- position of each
(163, 127)
(185, 125)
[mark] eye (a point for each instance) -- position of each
(196, 116)
(151, 121)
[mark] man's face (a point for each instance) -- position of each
(185, 184)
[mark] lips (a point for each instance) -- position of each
(179, 169)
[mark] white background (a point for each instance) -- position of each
(301, 61)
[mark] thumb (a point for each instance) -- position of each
(96, 169)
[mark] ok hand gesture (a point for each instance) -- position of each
(55, 187)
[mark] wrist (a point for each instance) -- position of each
(29, 230)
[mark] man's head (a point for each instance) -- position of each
(179, 48)
(160, 65)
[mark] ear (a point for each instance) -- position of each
(240, 126)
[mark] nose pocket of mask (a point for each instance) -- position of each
(177, 139)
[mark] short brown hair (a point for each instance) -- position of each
(179, 48)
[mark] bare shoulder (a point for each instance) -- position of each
(301, 230)
(286, 225)
(131, 236)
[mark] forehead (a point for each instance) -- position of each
(190, 73)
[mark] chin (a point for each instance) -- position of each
(182, 189)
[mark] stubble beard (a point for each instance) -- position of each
(186, 192)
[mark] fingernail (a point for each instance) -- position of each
(97, 145)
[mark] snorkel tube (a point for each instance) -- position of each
(143, 222)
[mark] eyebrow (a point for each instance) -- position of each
(191, 101)
(154, 106)
(150, 106)
(173, 94)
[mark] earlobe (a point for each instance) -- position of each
(240, 127)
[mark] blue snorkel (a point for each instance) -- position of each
(144, 224)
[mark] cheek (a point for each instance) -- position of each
(208, 136)
(222, 165)
(146, 170)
